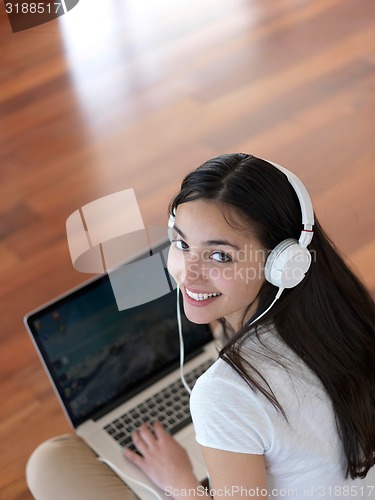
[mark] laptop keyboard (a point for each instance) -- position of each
(170, 407)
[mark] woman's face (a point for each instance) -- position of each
(218, 268)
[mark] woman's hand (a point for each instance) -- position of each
(163, 460)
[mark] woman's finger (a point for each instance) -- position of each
(159, 431)
(147, 435)
(139, 442)
(133, 457)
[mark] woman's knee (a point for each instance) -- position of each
(49, 460)
(65, 467)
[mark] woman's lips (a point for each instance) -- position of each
(201, 298)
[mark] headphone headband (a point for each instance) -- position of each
(305, 204)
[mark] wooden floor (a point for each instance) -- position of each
(135, 93)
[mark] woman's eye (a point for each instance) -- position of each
(181, 245)
(221, 257)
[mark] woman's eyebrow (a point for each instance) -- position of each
(226, 243)
(178, 230)
(209, 243)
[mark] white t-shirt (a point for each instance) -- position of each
(304, 456)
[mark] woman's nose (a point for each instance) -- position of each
(194, 268)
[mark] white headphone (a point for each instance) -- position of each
(290, 260)
(288, 263)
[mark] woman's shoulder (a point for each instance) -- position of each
(264, 350)
(271, 363)
(267, 352)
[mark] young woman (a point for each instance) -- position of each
(288, 409)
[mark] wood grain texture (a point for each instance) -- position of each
(131, 93)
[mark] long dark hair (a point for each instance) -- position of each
(328, 320)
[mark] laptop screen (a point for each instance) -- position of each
(98, 356)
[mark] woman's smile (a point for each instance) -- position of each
(199, 299)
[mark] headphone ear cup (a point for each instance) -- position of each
(287, 264)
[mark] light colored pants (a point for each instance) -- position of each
(65, 468)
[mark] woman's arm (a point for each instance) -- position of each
(167, 464)
(235, 475)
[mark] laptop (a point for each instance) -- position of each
(114, 369)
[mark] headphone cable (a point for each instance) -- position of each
(181, 339)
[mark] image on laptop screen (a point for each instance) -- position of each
(99, 356)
